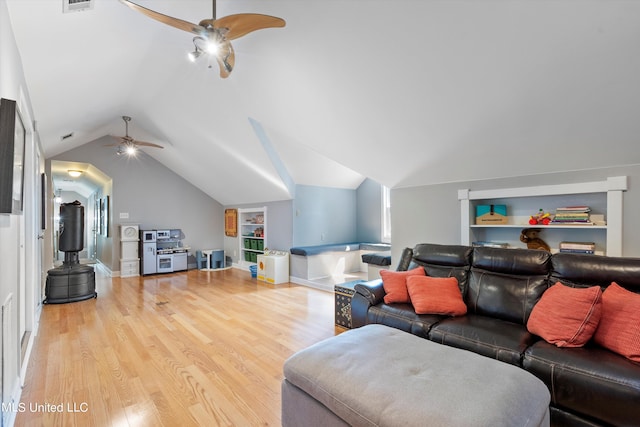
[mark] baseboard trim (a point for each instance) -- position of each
(310, 284)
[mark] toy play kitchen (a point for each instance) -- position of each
(162, 251)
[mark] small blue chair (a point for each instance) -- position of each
(201, 260)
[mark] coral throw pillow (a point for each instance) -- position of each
(619, 329)
(565, 316)
(395, 284)
(436, 295)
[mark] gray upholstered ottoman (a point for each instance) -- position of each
(380, 376)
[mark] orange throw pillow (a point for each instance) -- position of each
(395, 284)
(619, 329)
(565, 316)
(436, 295)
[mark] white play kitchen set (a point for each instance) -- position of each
(162, 251)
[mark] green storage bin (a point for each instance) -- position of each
(254, 244)
(254, 257)
(261, 245)
(247, 243)
(247, 256)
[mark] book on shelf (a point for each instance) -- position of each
(578, 247)
(572, 215)
(571, 223)
(574, 209)
(577, 251)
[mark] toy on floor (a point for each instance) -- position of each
(541, 218)
(530, 237)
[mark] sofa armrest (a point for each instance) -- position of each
(372, 291)
(406, 260)
(366, 295)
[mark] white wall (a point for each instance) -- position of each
(20, 270)
(431, 214)
(369, 211)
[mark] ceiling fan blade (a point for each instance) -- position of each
(226, 59)
(117, 138)
(244, 23)
(165, 19)
(147, 144)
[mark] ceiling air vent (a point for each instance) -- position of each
(76, 5)
(67, 136)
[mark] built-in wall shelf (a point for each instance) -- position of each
(605, 198)
(252, 234)
(526, 225)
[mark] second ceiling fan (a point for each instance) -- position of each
(213, 36)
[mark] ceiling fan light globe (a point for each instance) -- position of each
(131, 150)
(213, 47)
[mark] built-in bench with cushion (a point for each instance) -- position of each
(376, 261)
(309, 263)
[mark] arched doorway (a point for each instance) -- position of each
(85, 183)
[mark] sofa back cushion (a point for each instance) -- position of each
(507, 283)
(592, 270)
(444, 261)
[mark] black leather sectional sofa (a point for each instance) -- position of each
(589, 386)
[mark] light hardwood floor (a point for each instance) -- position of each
(184, 349)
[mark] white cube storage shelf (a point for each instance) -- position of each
(274, 267)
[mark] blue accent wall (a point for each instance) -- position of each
(323, 215)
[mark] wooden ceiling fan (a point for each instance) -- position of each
(213, 36)
(128, 145)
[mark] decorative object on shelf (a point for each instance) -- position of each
(541, 218)
(231, 222)
(530, 237)
(491, 214)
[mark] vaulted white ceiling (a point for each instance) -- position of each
(406, 92)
